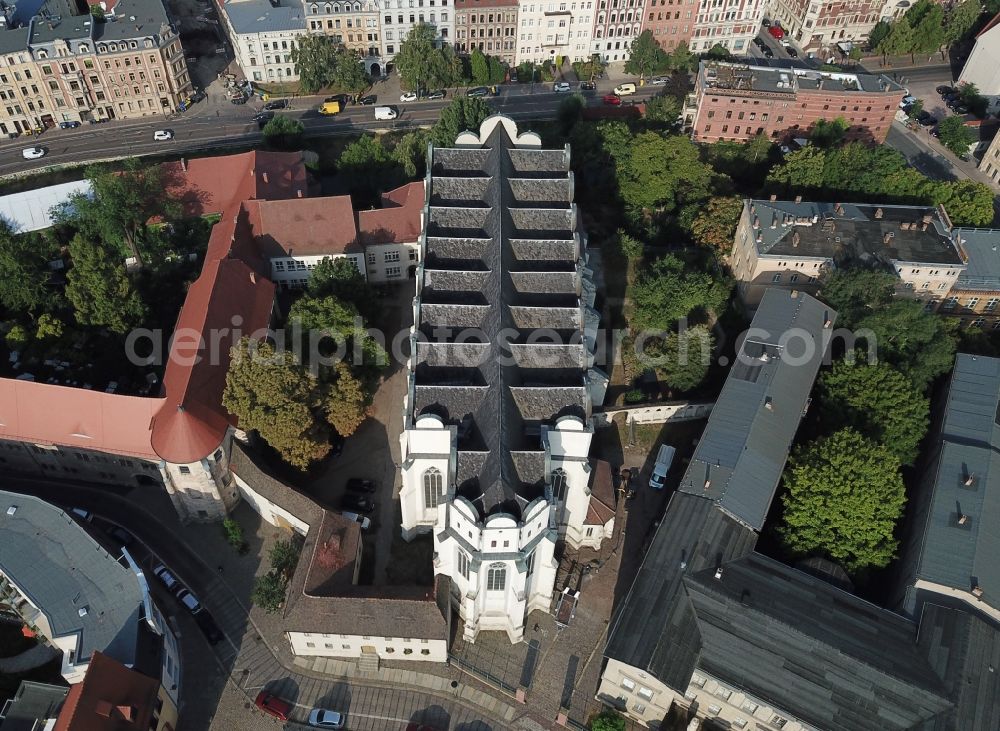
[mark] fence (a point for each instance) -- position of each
(486, 677)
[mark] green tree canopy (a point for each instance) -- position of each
(929, 32)
(366, 166)
(668, 291)
(315, 59)
(682, 59)
(607, 721)
(462, 113)
(275, 396)
(421, 64)
(283, 131)
(346, 400)
(480, 67)
(968, 202)
(660, 172)
(284, 557)
(844, 497)
(49, 327)
(410, 153)
(962, 19)
(17, 337)
(663, 108)
(955, 135)
(681, 359)
(646, 57)
(918, 343)
(569, 111)
(879, 402)
(25, 284)
(899, 40)
(715, 224)
(856, 292)
(100, 289)
(269, 592)
(829, 132)
(802, 169)
(878, 34)
(339, 278)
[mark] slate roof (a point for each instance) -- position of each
(260, 16)
(853, 232)
(503, 254)
(805, 647)
(966, 555)
(982, 246)
(61, 570)
(150, 20)
(742, 453)
(32, 705)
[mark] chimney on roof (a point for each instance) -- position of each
(184, 165)
(708, 484)
(795, 239)
(774, 197)
(798, 199)
(928, 218)
(264, 176)
(774, 221)
(253, 278)
(718, 573)
(103, 708)
(963, 519)
(970, 480)
(878, 213)
(887, 238)
(768, 403)
(826, 319)
(760, 237)
(924, 225)
(756, 221)
(299, 194)
(977, 591)
(127, 712)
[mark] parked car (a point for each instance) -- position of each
(357, 484)
(907, 101)
(765, 22)
(960, 109)
(658, 81)
(263, 117)
(664, 458)
(166, 578)
(321, 718)
(277, 104)
(162, 135)
(791, 52)
(588, 86)
(341, 99)
(368, 101)
(438, 94)
(561, 87)
(120, 536)
(360, 503)
(419, 727)
(272, 705)
(198, 96)
(925, 119)
(478, 91)
(408, 96)
(68, 125)
(33, 153)
(613, 100)
(386, 113)
(625, 89)
(768, 53)
(206, 623)
(945, 89)
(366, 523)
(776, 31)
(189, 600)
(82, 514)
(241, 99)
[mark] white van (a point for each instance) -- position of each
(664, 459)
(625, 89)
(385, 113)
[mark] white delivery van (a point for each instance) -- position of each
(664, 459)
(385, 113)
(625, 89)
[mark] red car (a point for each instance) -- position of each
(272, 705)
(612, 99)
(777, 31)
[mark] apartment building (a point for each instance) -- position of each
(263, 34)
(737, 101)
(399, 17)
(732, 24)
(791, 244)
(489, 25)
(671, 22)
(353, 23)
(616, 24)
(58, 65)
(556, 28)
(982, 67)
(974, 298)
(816, 25)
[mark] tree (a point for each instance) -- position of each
(337, 319)
(877, 36)
(646, 56)
(929, 32)
(668, 291)
(347, 401)
(99, 288)
(844, 496)
(315, 59)
(364, 164)
(233, 532)
(856, 292)
(955, 135)
(49, 327)
(663, 108)
(463, 113)
(275, 396)
(856, 53)
(349, 72)
(284, 557)
(607, 721)
(829, 133)
(968, 203)
(802, 169)
(682, 59)
(681, 359)
(269, 592)
(421, 64)
(916, 108)
(120, 205)
(498, 72)
(918, 343)
(718, 52)
(25, 284)
(283, 131)
(715, 224)
(961, 20)
(899, 40)
(97, 13)
(972, 99)
(629, 246)
(663, 172)
(569, 111)
(339, 278)
(410, 153)
(17, 337)
(480, 67)
(879, 402)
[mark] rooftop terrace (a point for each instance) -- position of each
(747, 78)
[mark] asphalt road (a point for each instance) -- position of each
(231, 125)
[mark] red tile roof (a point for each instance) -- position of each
(399, 219)
(602, 495)
(111, 697)
(305, 226)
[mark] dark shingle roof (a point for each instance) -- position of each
(32, 705)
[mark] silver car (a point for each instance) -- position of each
(321, 718)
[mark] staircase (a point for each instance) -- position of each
(368, 662)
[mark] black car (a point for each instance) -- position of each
(368, 101)
(263, 117)
(768, 53)
(208, 627)
(356, 484)
(478, 91)
(588, 86)
(277, 104)
(960, 109)
(945, 89)
(357, 503)
(69, 125)
(197, 96)
(792, 52)
(342, 99)
(766, 23)
(439, 94)
(925, 119)
(120, 536)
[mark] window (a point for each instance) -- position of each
(433, 482)
(776, 278)
(184, 470)
(971, 304)
(714, 710)
(496, 579)
(463, 564)
(558, 484)
(390, 256)
(778, 721)
(646, 693)
(393, 272)
(749, 706)
(628, 684)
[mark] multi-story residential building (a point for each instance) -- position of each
(990, 162)
(732, 25)
(791, 244)
(616, 24)
(816, 25)
(81, 601)
(737, 101)
(263, 34)
(399, 17)
(33, 706)
(495, 448)
(354, 23)
(554, 28)
(489, 25)
(671, 22)
(975, 296)
(982, 67)
(58, 64)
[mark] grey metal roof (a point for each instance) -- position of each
(964, 648)
(827, 657)
(652, 629)
(966, 554)
(742, 452)
(134, 19)
(59, 19)
(62, 570)
(259, 16)
(14, 39)
(853, 232)
(33, 705)
(503, 259)
(982, 245)
(750, 78)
